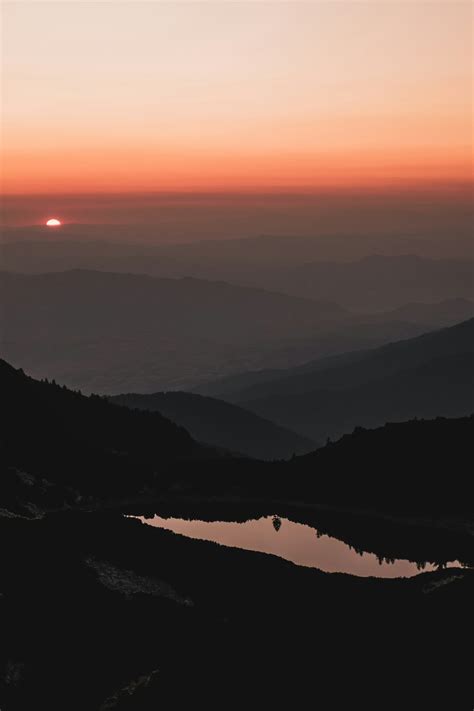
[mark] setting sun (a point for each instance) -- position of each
(53, 223)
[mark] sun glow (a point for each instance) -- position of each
(53, 223)
(235, 96)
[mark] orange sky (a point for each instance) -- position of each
(223, 95)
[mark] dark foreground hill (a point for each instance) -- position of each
(56, 444)
(60, 446)
(102, 613)
(426, 376)
(405, 467)
(419, 467)
(221, 424)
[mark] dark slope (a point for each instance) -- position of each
(353, 343)
(407, 466)
(442, 386)
(349, 369)
(426, 376)
(417, 467)
(99, 611)
(55, 441)
(222, 424)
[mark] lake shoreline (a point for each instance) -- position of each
(125, 585)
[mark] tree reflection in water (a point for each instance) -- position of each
(299, 543)
(276, 521)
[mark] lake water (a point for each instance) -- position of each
(292, 541)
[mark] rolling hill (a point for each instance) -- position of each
(426, 376)
(373, 275)
(221, 424)
(111, 333)
(436, 315)
(58, 445)
(373, 283)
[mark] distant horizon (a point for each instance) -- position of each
(176, 216)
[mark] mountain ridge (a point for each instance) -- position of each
(221, 424)
(328, 367)
(427, 376)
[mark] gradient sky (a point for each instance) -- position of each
(248, 95)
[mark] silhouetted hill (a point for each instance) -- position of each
(80, 587)
(56, 442)
(443, 386)
(221, 424)
(345, 368)
(426, 376)
(407, 466)
(420, 468)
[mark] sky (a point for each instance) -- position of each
(235, 96)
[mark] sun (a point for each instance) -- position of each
(53, 222)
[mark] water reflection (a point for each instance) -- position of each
(292, 541)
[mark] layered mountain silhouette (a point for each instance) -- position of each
(95, 246)
(111, 333)
(114, 333)
(426, 376)
(365, 278)
(58, 445)
(436, 315)
(375, 283)
(60, 448)
(222, 424)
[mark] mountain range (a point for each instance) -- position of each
(60, 449)
(426, 376)
(374, 275)
(114, 333)
(221, 424)
(373, 283)
(109, 333)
